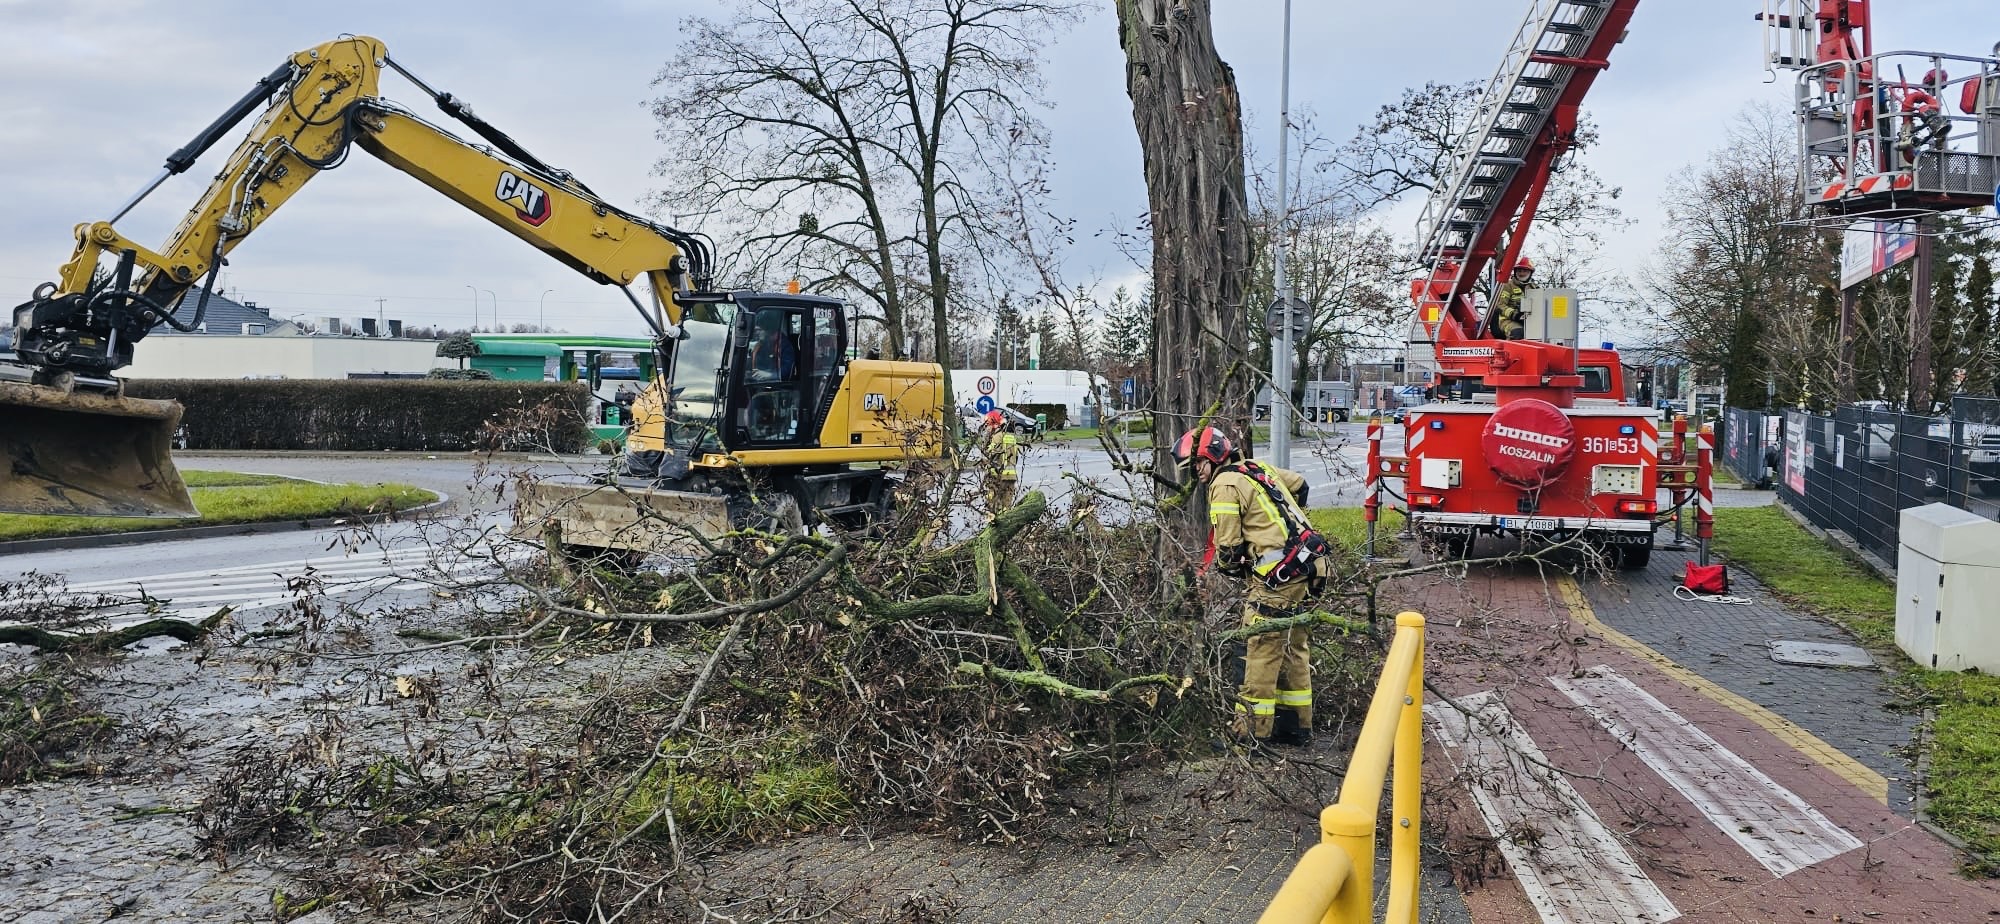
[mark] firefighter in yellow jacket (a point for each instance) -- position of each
(1259, 531)
(1003, 461)
(1512, 320)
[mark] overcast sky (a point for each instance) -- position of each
(94, 96)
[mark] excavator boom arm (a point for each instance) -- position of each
(322, 103)
(72, 444)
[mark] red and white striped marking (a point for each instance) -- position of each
(1374, 451)
(1570, 865)
(1705, 476)
(1771, 823)
(1868, 185)
(1416, 431)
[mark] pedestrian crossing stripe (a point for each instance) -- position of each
(1770, 822)
(1871, 783)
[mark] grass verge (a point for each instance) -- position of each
(1963, 784)
(228, 498)
(1348, 528)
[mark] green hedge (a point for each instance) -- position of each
(374, 415)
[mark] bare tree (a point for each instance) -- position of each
(1339, 261)
(1189, 117)
(838, 140)
(1408, 148)
(1738, 279)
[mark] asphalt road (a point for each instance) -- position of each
(398, 563)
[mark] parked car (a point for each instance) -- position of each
(1015, 422)
(1020, 423)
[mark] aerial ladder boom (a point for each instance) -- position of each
(76, 445)
(1528, 435)
(1478, 217)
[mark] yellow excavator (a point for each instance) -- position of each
(756, 413)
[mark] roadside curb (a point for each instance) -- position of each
(137, 536)
(1842, 542)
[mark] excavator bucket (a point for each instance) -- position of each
(85, 454)
(633, 516)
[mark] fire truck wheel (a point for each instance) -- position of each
(1632, 557)
(1450, 547)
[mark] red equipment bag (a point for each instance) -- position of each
(1706, 579)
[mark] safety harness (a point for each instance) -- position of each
(1303, 547)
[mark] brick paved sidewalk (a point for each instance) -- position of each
(1615, 784)
(1849, 708)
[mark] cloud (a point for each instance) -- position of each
(98, 94)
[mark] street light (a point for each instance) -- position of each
(1281, 344)
(475, 304)
(496, 310)
(542, 311)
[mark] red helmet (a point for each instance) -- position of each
(1203, 443)
(994, 418)
(1524, 264)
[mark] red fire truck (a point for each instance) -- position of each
(1531, 436)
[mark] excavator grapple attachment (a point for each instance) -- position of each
(81, 453)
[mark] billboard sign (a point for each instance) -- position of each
(1796, 452)
(1871, 247)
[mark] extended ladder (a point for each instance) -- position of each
(1525, 118)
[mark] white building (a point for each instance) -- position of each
(268, 356)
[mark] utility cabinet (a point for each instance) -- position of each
(1550, 315)
(1947, 579)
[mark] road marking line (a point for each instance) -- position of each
(330, 578)
(1871, 784)
(1570, 865)
(1777, 828)
(272, 573)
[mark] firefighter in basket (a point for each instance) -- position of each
(1258, 530)
(1512, 321)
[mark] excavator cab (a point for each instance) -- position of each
(785, 357)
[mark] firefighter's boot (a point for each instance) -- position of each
(1287, 730)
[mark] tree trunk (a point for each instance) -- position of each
(1185, 106)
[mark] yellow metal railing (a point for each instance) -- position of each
(1334, 882)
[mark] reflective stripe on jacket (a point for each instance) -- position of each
(1242, 513)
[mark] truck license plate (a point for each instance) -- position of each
(1531, 524)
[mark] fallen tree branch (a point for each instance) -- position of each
(113, 639)
(1049, 683)
(1282, 623)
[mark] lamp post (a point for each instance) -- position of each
(496, 310)
(475, 304)
(1281, 342)
(542, 311)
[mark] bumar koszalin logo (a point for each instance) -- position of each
(530, 202)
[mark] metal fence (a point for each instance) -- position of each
(1748, 445)
(1859, 468)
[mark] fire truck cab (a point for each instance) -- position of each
(1532, 440)
(1529, 436)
